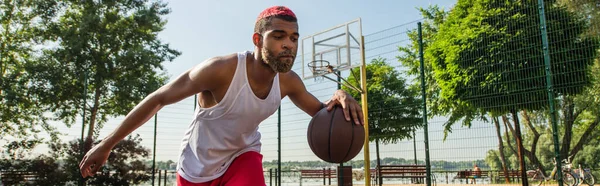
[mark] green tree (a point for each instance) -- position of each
(434, 17)
(486, 55)
(44, 167)
(17, 149)
(587, 129)
(545, 149)
(111, 47)
(125, 165)
(437, 105)
(484, 45)
(393, 106)
(587, 8)
(21, 109)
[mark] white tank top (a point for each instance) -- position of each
(220, 133)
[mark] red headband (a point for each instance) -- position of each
(276, 10)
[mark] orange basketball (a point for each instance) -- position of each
(332, 138)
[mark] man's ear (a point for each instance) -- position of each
(257, 40)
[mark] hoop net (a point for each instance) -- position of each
(319, 68)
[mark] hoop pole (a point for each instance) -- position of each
(340, 83)
(346, 82)
(363, 84)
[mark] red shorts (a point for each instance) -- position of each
(246, 169)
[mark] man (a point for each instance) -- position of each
(476, 174)
(236, 93)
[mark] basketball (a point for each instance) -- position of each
(332, 138)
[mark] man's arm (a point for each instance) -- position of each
(311, 105)
(200, 78)
(191, 82)
(298, 94)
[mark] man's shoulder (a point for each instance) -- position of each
(218, 62)
(218, 67)
(289, 76)
(290, 82)
(216, 70)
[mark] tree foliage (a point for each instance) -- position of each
(486, 60)
(112, 47)
(437, 105)
(433, 17)
(590, 9)
(21, 108)
(125, 166)
(544, 152)
(394, 108)
(489, 54)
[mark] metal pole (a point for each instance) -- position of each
(159, 177)
(339, 79)
(82, 180)
(550, 89)
(415, 145)
(378, 178)
(426, 131)
(154, 149)
(165, 182)
(363, 85)
(341, 169)
(270, 177)
(313, 49)
(349, 56)
(279, 146)
(195, 101)
(302, 56)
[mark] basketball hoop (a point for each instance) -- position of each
(320, 68)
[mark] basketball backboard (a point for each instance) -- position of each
(338, 46)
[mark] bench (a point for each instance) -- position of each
(17, 177)
(417, 173)
(469, 174)
(318, 174)
(513, 175)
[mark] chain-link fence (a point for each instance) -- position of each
(508, 86)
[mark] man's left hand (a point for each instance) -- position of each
(349, 105)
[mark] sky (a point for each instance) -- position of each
(204, 29)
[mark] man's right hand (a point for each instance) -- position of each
(94, 159)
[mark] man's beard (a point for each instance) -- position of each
(275, 62)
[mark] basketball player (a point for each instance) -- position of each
(236, 93)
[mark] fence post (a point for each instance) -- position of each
(81, 179)
(154, 149)
(338, 172)
(165, 183)
(159, 177)
(446, 177)
(550, 89)
(270, 177)
(324, 175)
(426, 131)
(278, 177)
(467, 176)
